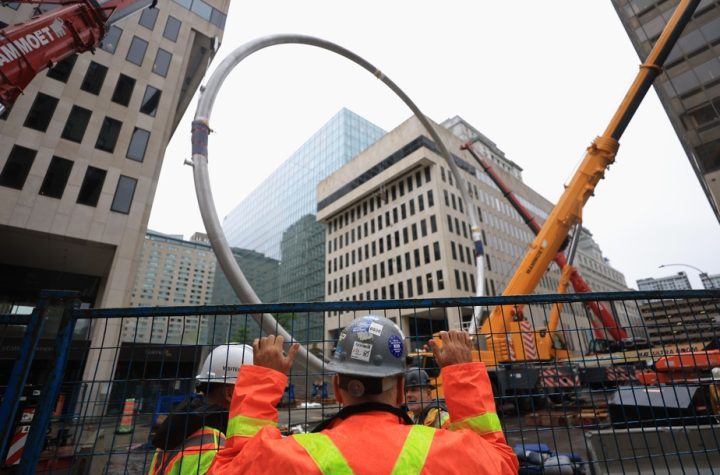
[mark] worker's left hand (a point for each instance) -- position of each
(268, 353)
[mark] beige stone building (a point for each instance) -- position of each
(81, 151)
(172, 272)
(396, 227)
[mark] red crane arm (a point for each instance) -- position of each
(30, 47)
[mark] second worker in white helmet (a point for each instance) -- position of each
(194, 431)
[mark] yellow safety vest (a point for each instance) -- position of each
(331, 462)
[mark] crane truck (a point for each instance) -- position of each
(520, 358)
(75, 26)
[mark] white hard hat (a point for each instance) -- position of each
(716, 374)
(223, 363)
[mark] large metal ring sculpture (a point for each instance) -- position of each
(200, 135)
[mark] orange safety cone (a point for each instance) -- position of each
(128, 415)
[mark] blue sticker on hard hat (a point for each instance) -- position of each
(361, 327)
(395, 345)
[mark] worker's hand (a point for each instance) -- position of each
(268, 353)
(456, 348)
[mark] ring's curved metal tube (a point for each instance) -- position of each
(201, 132)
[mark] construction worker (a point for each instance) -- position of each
(422, 404)
(371, 434)
(188, 439)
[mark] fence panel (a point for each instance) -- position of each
(645, 407)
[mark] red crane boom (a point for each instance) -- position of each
(77, 26)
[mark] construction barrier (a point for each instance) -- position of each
(102, 401)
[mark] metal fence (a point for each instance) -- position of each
(84, 390)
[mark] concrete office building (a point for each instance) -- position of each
(679, 323)
(710, 281)
(689, 89)
(678, 281)
(397, 228)
(80, 155)
(172, 272)
(278, 218)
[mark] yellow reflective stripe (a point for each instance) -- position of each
(415, 450)
(244, 426)
(324, 453)
(482, 424)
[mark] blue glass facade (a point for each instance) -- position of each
(278, 218)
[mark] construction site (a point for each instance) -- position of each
(584, 380)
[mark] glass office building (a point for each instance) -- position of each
(690, 87)
(278, 218)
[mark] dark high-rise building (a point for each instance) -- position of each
(690, 87)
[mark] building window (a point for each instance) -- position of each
(124, 194)
(76, 124)
(218, 18)
(109, 132)
(123, 90)
(162, 62)
(41, 112)
(172, 28)
(17, 167)
(136, 52)
(62, 70)
(91, 186)
(94, 78)
(440, 281)
(148, 18)
(202, 9)
(436, 250)
(53, 185)
(138, 144)
(111, 39)
(150, 101)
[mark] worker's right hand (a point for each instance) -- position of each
(456, 348)
(268, 353)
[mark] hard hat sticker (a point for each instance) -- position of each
(361, 327)
(395, 346)
(363, 336)
(375, 329)
(361, 351)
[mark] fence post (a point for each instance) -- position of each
(38, 429)
(19, 374)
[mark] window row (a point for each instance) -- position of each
(382, 245)
(205, 11)
(93, 81)
(414, 259)
(17, 167)
(44, 106)
(466, 284)
(410, 287)
(386, 195)
(391, 217)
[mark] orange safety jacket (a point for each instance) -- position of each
(193, 457)
(366, 443)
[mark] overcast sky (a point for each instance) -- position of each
(540, 79)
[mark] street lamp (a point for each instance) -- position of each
(703, 275)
